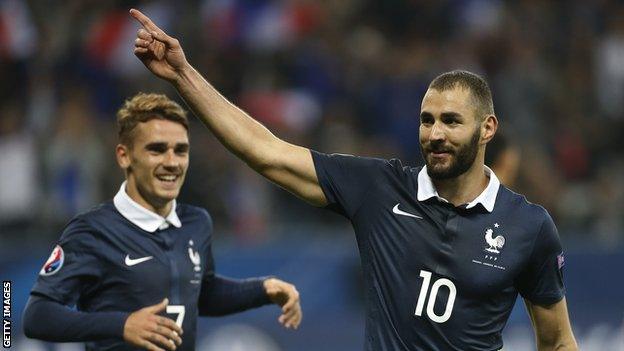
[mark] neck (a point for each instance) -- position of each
(464, 188)
(162, 209)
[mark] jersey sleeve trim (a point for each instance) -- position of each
(546, 300)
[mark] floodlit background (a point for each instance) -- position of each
(338, 76)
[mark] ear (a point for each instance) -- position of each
(123, 156)
(488, 128)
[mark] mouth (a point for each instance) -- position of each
(168, 178)
(439, 153)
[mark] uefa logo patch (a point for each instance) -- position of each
(54, 263)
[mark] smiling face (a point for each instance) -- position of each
(450, 132)
(155, 160)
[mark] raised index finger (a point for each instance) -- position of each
(145, 21)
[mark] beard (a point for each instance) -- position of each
(460, 160)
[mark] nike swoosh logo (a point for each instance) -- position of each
(396, 210)
(131, 262)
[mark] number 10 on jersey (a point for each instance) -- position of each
(431, 295)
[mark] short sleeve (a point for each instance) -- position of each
(541, 282)
(346, 180)
(73, 268)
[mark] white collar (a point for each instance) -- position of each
(142, 217)
(487, 198)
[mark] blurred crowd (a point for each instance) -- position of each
(338, 76)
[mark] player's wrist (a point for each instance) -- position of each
(184, 75)
(268, 282)
(115, 324)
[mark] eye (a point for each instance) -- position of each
(156, 149)
(426, 120)
(450, 120)
(181, 149)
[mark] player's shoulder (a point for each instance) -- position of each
(84, 226)
(392, 171)
(392, 165)
(347, 158)
(400, 173)
(190, 213)
(104, 209)
(398, 165)
(521, 202)
(524, 209)
(363, 165)
(101, 215)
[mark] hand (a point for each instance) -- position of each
(160, 53)
(286, 296)
(146, 329)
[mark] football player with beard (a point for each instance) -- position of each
(445, 248)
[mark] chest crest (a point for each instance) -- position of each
(194, 256)
(494, 241)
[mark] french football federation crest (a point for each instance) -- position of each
(194, 256)
(494, 242)
(54, 263)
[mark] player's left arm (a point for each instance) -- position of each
(222, 296)
(552, 326)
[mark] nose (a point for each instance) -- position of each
(171, 159)
(437, 132)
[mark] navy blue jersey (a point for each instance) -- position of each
(440, 277)
(104, 262)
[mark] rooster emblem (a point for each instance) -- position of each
(195, 258)
(494, 243)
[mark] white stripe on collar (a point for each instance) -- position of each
(487, 198)
(142, 217)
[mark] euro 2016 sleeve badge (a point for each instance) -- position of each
(54, 263)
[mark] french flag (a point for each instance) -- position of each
(111, 38)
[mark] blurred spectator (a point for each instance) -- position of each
(607, 197)
(504, 158)
(609, 68)
(74, 160)
(19, 186)
(18, 35)
(341, 76)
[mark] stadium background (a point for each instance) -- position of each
(339, 76)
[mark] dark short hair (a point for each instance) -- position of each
(144, 107)
(481, 93)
